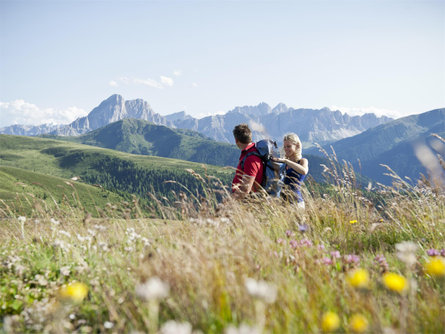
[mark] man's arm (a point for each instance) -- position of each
(243, 188)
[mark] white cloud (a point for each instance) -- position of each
(164, 82)
(177, 73)
(148, 82)
(21, 112)
(357, 111)
(167, 81)
(195, 84)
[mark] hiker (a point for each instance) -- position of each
(249, 172)
(297, 168)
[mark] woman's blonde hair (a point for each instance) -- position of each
(293, 138)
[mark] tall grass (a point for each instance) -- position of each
(258, 265)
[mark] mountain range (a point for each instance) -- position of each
(312, 125)
(406, 145)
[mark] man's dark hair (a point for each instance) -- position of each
(242, 133)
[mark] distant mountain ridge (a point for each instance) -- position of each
(137, 136)
(393, 144)
(312, 125)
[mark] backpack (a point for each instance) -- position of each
(274, 172)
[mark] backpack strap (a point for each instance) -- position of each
(248, 155)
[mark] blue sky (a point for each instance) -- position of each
(60, 59)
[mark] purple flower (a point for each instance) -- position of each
(306, 242)
(381, 260)
(321, 247)
(442, 252)
(335, 254)
(352, 258)
(303, 228)
(280, 241)
(289, 233)
(433, 252)
(293, 243)
(327, 261)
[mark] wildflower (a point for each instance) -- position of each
(395, 282)
(353, 221)
(358, 278)
(289, 233)
(433, 252)
(261, 289)
(154, 288)
(306, 242)
(442, 252)
(406, 252)
(74, 292)
(293, 243)
(108, 324)
(358, 323)
(352, 258)
(173, 327)
(381, 260)
(435, 267)
(330, 322)
(54, 222)
(22, 219)
(303, 228)
(327, 261)
(65, 271)
(280, 241)
(335, 254)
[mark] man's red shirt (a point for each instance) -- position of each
(253, 166)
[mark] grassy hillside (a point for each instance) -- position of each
(142, 137)
(35, 194)
(124, 173)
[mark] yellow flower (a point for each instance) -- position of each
(330, 322)
(358, 323)
(353, 221)
(74, 292)
(395, 282)
(358, 278)
(435, 267)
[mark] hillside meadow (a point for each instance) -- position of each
(355, 261)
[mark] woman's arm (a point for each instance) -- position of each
(301, 168)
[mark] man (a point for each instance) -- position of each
(248, 177)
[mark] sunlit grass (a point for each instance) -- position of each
(346, 264)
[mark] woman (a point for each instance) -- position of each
(297, 168)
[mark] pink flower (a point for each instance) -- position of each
(293, 243)
(335, 254)
(433, 252)
(280, 241)
(352, 258)
(306, 242)
(289, 233)
(327, 261)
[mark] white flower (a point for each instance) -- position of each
(173, 327)
(108, 324)
(65, 271)
(261, 289)
(65, 233)
(22, 219)
(154, 288)
(54, 222)
(406, 252)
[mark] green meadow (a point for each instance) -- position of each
(193, 260)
